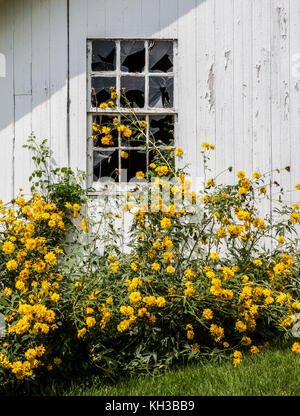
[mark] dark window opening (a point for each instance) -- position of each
(161, 56)
(161, 92)
(105, 165)
(101, 89)
(162, 129)
(104, 56)
(134, 91)
(132, 56)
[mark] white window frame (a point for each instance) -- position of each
(146, 111)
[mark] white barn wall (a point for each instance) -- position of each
(236, 89)
(6, 105)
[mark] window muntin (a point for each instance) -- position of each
(146, 69)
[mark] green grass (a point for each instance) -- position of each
(270, 373)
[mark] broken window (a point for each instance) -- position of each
(142, 74)
(100, 87)
(133, 162)
(132, 56)
(162, 129)
(105, 165)
(103, 55)
(160, 56)
(103, 135)
(161, 92)
(134, 91)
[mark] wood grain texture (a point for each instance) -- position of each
(238, 80)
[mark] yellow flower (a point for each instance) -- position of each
(55, 297)
(134, 266)
(246, 341)
(296, 347)
(165, 223)
(162, 170)
(114, 95)
(155, 266)
(127, 132)
(297, 186)
(208, 314)
(240, 174)
(179, 152)
(263, 190)
(140, 174)
(281, 240)
(256, 175)
(11, 265)
(50, 258)
(143, 123)
(90, 321)
(103, 105)
(189, 291)
(8, 247)
(57, 361)
(254, 349)
(240, 326)
(295, 217)
(7, 292)
(135, 297)
(170, 269)
(214, 256)
(124, 154)
(208, 146)
(31, 243)
(81, 333)
(221, 232)
(237, 354)
(161, 302)
(123, 325)
(109, 301)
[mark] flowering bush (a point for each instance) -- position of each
(205, 278)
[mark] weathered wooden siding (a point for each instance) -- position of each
(238, 82)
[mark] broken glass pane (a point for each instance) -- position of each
(134, 91)
(161, 92)
(107, 137)
(136, 137)
(106, 165)
(104, 55)
(132, 56)
(132, 161)
(162, 130)
(160, 56)
(101, 89)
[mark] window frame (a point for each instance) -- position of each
(146, 111)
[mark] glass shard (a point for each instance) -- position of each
(105, 165)
(161, 92)
(132, 56)
(134, 91)
(104, 55)
(160, 56)
(132, 162)
(101, 89)
(104, 133)
(162, 130)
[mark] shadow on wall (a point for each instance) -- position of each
(43, 45)
(34, 43)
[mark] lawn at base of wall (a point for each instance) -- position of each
(274, 372)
